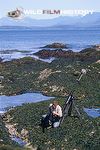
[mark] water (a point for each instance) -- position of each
(31, 40)
(19, 141)
(92, 112)
(6, 102)
(16, 55)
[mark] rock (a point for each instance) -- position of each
(55, 88)
(97, 47)
(44, 74)
(58, 53)
(66, 140)
(76, 73)
(87, 55)
(56, 45)
(11, 128)
(1, 140)
(88, 50)
(24, 132)
(90, 54)
(91, 49)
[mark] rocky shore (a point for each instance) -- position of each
(88, 54)
(56, 79)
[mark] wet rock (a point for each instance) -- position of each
(90, 54)
(87, 55)
(88, 50)
(56, 45)
(91, 49)
(58, 53)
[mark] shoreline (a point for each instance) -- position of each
(46, 53)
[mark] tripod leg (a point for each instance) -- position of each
(43, 129)
(79, 115)
(80, 77)
(76, 109)
(70, 109)
(67, 112)
(61, 120)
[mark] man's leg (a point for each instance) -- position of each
(55, 119)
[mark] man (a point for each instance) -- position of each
(53, 117)
(55, 113)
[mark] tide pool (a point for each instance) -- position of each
(92, 112)
(7, 102)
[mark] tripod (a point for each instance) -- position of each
(67, 109)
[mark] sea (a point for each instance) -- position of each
(17, 43)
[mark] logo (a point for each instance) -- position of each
(19, 13)
(16, 14)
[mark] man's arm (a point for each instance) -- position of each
(58, 112)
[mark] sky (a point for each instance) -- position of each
(8, 5)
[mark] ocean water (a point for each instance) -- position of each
(32, 39)
(92, 112)
(6, 102)
(29, 41)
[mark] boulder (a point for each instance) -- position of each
(56, 45)
(88, 50)
(76, 73)
(24, 132)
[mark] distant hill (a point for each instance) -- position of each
(90, 20)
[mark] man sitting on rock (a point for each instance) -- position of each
(53, 117)
(55, 113)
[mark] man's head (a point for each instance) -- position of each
(55, 103)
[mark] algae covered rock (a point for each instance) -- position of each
(56, 45)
